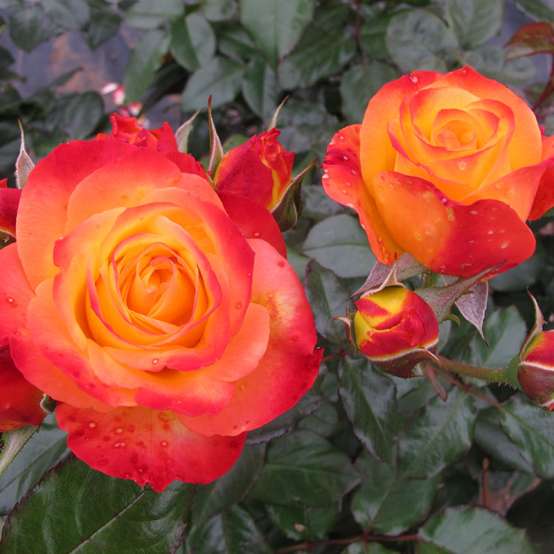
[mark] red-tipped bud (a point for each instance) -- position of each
(19, 400)
(395, 328)
(260, 169)
(536, 369)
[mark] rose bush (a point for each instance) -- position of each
(447, 167)
(164, 319)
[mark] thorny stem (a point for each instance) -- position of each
(492, 375)
(365, 538)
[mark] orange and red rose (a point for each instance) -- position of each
(164, 319)
(447, 167)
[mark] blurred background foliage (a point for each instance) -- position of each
(367, 463)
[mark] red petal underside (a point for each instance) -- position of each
(149, 447)
(342, 181)
(19, 400)
(9, 202)
(15, 293)
(289, 366)
(451, 238)
(254, 221)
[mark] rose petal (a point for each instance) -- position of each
(42, 210)
(9, 202)
(289, 366)
(19, 400)
(151, 448)
(254, 221)
(15, 293)
(343, 182)
(544, 200)
(448, 237)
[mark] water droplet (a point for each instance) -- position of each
(345, 157)
(341, 137)
(473, 212)
(91, 424)
(119, 444)
(505, 244)
(119, 430)
(10, 300)
(354, 172)
(414, 79)
(256, 234)
(238, 305)
(490, 232)
(155, 361)
(164, 444)
(462, 165)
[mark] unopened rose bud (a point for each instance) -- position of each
(260, 169)
(395, 328)
(536, 369)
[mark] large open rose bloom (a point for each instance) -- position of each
(447, 167)
(163, 318)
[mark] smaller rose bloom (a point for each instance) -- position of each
(19, 400)
(395, 328)
(260, 169)
(536, 370)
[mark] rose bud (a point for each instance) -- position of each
(395, 329)
(536, 369)
(260, 169)
(19, 400)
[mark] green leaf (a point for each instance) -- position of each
(78, 114)
(438, 436)
(542, 10)
(468, 530)
(491, 60)
(339, 244)
(531, 431)
(29, 26)
(219, 10)
(328, 299)
(103, 24)
(359, 84)
(302, 522)
(316, 204)
(505, 331)
(276, 25)
(303, 467)
(42, 451)
(145, 60)
(474, 21)
(491, 437)
(192, 41)
(146, 14)
(388, 503)
(229, 489)
(373, 35)
(521, 277)
(369, 400)
(69, 15)
(260, 88)
(232, 532)
(220, 78)
(236, 43)
(417, 39)
(75, 509)
(326, 46)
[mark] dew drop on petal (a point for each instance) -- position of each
(504, 244)
(10, 300)
(345, 157)
(414, 79)
(164, 444)
(238, 305)
(155, 361)
(119, 430)
(462, 165)
(92, 424)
